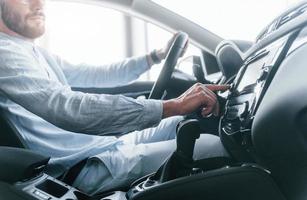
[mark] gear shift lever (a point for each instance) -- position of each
(181, 161)
(187, 133)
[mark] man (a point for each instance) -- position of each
(36, 95)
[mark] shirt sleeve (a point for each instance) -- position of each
(112, 75)
(22, 80)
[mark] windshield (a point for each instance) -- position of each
(235, 19)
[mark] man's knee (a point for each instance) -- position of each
(169, 125)
(93, 177)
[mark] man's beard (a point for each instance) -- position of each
(16, 23)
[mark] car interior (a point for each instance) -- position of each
(262, 126)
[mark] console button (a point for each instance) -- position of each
(41, 195)
(264, 74)
(237, 111)
(243, 110)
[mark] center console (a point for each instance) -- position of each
(246, 93)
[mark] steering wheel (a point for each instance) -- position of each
(175, 51)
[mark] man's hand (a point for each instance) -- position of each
(199, 96)
(160, 54)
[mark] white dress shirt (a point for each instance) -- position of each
(36, 96)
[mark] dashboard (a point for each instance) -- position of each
(243, 129)
(249, 86)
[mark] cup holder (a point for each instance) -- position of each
(52, 188)
(60, 190)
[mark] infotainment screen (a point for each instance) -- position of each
(251, 74)
(266, 57)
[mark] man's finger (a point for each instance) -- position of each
(209, 92)
(218, 87)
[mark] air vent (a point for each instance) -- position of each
(281, 21)
(292, 15)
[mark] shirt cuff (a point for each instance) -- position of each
(144, 63)
(153, 110)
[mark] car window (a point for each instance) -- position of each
(84, 33)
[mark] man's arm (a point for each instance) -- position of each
(23, 81)
(115, 74)
(112, 75)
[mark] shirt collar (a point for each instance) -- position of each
(30, 46)
(17, 39)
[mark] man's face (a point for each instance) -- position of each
(25, 17)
